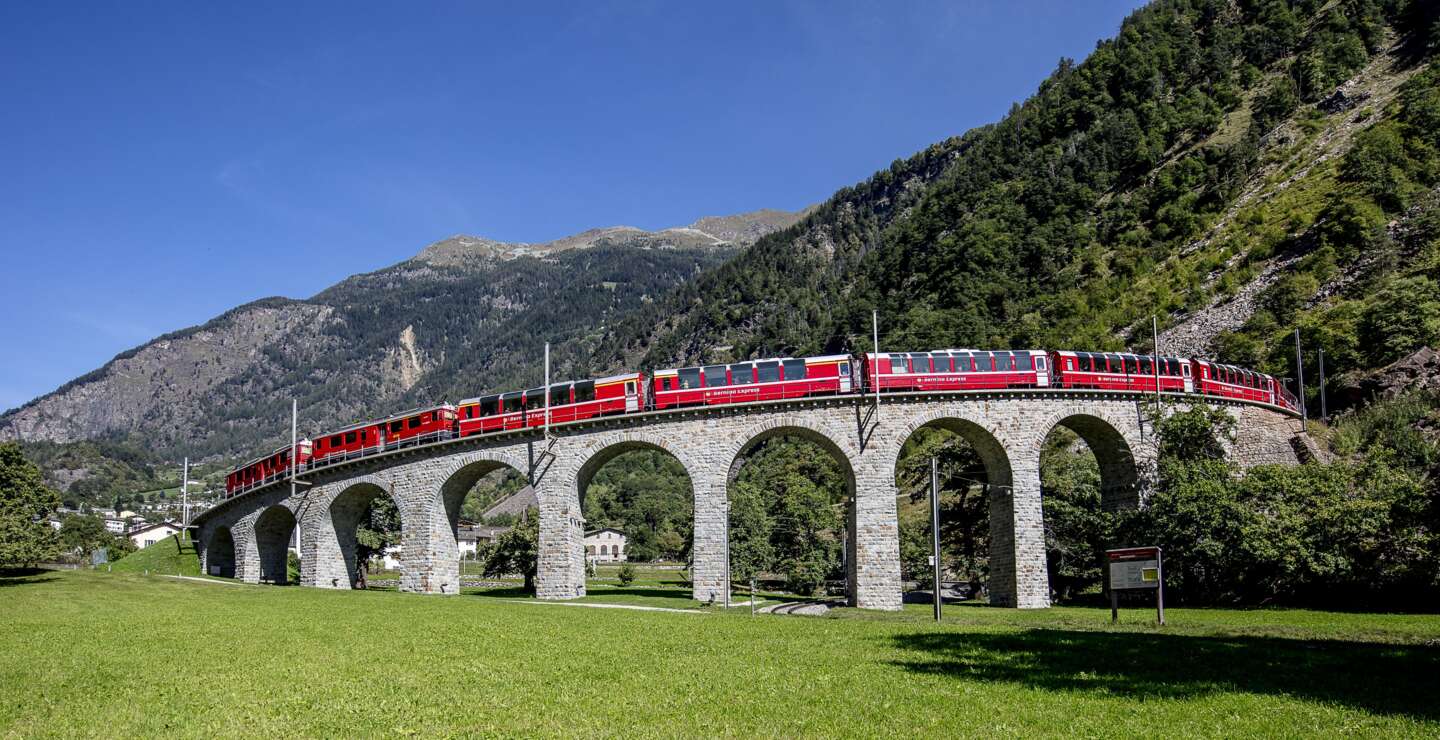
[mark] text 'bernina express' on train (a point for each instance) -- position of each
(767, 380)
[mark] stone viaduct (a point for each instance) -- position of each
(247, 536)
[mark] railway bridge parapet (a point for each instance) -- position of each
(246, 537)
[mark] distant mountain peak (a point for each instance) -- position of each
(741, 229)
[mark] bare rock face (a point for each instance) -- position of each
(1419, 371)
(160, 386)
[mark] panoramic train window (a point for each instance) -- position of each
(714, 376)
(1022, 361)
(983, 362)
(741, 374)
(1145, 367)
(534, 399)
(767, 372)
(585, 391)
(511, 402)
(794, 369)
(964, 363)
(335, 441)
(1002, 362)
(689, 378)
(488, 406)
(942, 362)
(559, 394)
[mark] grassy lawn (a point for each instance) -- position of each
(168, 556)
(89, 653)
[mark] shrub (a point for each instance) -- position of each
(627, 574)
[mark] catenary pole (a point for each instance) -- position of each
(1155, 332)
(185, 498)
(295, 464)
(547, 390)
(1300, 381)
(935, 529)
(1323, 411)
(874, 367)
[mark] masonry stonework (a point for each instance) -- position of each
(247, 536)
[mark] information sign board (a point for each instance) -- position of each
(1135, 568)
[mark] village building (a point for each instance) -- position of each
(605, 545)
(471, 537)
(149, 535)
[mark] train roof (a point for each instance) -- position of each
(556, 384)
(812, 358)
(412, 412)
(350, 428)
(278, 450)
(953, 351)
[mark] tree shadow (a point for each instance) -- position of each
(24, 577)
(1390, 679)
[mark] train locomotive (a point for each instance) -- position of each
(771, 379)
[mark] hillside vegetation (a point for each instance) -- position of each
(1173, 167)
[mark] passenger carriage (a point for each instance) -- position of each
(752, 380)
(1229, 381)
(350, 442)
(1119, 371)
(419, 426)
(267, 469)
(956, 369)
(569, 401)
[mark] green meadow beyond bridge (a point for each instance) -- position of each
(247, 536)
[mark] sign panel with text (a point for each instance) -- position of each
(1133, 568)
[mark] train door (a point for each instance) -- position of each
(1189, 381)
(845, 379)
(632, 396)
(1042, 371)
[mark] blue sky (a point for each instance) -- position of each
(161, 163)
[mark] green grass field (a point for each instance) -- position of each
(91, 653)
(168, 556)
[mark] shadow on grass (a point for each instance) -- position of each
(1390, 679)
(24, 576)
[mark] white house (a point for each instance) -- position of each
(149, 535)
(471, 537)
(605, 545)
(114, 526)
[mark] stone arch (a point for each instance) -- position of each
(345, 510)
(791, 428)
(271, 536)
(1017, 574)
(991, 449)
(1120, 470)
(457, 480)
(841, 451)
(595, 456)
(220, 553)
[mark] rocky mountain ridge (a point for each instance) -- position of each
(374, 341)
(738, 230)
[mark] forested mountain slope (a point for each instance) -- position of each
(1210, 150)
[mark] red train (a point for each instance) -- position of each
(265, 470)
(753, 380)
(570, 401)
(770, 380)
